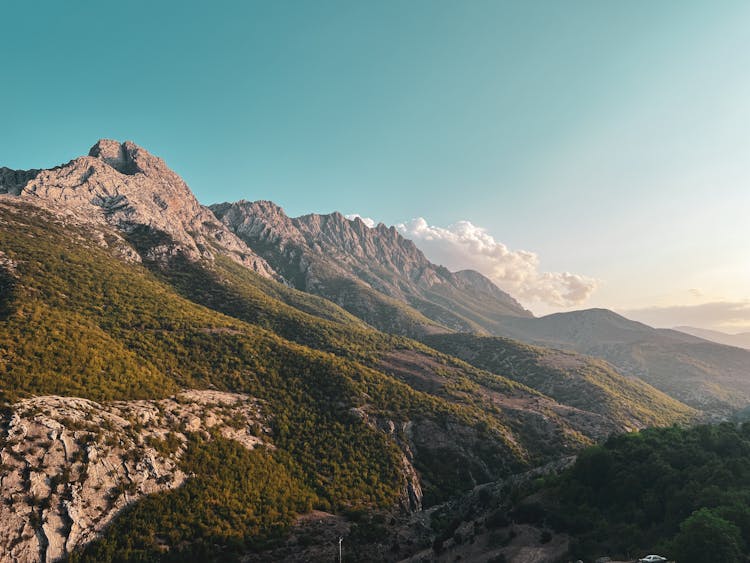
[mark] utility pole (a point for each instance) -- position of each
(341, 539)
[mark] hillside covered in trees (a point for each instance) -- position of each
(682, 492)
(116, 285)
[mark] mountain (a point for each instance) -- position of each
(741, 340)
(165, 389)
(374, 273)
(705, 375)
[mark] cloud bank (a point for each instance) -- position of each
(464, 245)
(719, 315)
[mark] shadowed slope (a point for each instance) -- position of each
(702, 374)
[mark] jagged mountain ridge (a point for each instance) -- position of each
(368, 271)
(374, 273)
(337, 258)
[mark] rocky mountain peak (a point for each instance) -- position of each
(120, 156)
(13, 181)
(122, 184)
(260, 221)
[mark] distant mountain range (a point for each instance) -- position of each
(703, 374)
(159, 354)
(741, 340)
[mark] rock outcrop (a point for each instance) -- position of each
(13, 181)
(69, 465)
(125, 186)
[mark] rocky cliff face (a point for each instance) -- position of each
(69, 465)
(365, 269)
(125, 186)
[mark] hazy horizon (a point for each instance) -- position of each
(580, 154)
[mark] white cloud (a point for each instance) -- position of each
(366, 220)
(464, 245)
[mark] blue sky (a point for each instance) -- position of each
(609, 139)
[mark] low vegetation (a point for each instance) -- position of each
(84, 323)
(237, 500)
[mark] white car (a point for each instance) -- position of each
(652, 559)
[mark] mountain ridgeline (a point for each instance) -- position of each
(183, 382)
(712, 377)
(741, 340)
(374, 273)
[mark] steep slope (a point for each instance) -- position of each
(741, 340)
(374, 273)
(384, 279)
(123, 185)
(702, 374)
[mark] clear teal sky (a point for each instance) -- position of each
(610, 138)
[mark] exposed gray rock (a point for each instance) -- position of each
(69, 465)
(411, 487)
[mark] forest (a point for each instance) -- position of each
(681, 492)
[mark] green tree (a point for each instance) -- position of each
(705, 536)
